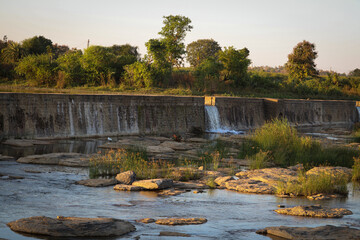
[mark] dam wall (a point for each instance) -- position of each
(60, 115)
(24, 115)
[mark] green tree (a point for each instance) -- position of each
(37, 45)
(98, 62)
(355, 73)
(235, 63)
(157, 56)
(173, 34)
(207, 74)
(37, 69)
(12, 53)
(138, 75)
(124, 55)
(59, 50)
(200, 50)
(69, 65)
(301, 62)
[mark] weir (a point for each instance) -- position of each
(25, 115)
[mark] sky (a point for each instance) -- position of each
(270, 29)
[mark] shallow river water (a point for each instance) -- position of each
(51, 191)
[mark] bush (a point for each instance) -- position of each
(138, 75)
(356, 170)
(260, 160)
(308, 185)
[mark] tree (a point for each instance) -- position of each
(59, 50)
(12, 53)
(97, 62)
(124, 55)
(300, 62)
(37, 45)
(355, 73)
(138, 75)
(200, 50)
(125, 50)
(207, 74)
(235, 63)
(38, 69)
(69, 65)
(157, 58)
(173, 33)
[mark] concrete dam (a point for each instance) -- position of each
(24, 115)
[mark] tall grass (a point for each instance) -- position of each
(285, 147)
(114, 162)
(356, 169)
(307, 185)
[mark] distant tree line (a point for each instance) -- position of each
(213, 68)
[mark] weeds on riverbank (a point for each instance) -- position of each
(114, 162)
(356, 170)
(285, 148)
(260, 160)
(307, 185)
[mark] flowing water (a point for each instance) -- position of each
(213, 122)
(51, 191)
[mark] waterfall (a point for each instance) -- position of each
(358, 109)
(213, 122)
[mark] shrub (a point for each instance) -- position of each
(356, 169)
(138, 75)
(307, 185)
(260, 160)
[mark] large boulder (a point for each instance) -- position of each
(249, 186)
(131, 188)
(318, 233)
(63, 159)
(181, 221)
(270, 176)
(97, 182)
(221, 180)
(72, 226)
(127, 177)
(6, 158)
(335, 172)
(314, 211)
(154, 184)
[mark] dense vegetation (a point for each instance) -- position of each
(38, 62)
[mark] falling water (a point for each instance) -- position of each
(213, 122)
(358, 109)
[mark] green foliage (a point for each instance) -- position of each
(173, 33)
(355, 73)
(301, 61)
(207, 75)
(97, 62)
(12, 53)
(260, 160)
(138, 75)
(286, 148)
(210, 182)
(308, 185)
(70, 64)
(37, 45)
(124, 55)
(38, 69)
(200, 50)
(356, 169)
(235, 64)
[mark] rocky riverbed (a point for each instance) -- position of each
(51, 191)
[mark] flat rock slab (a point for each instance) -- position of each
(270, 176)
(327, 232)
(62, 159)
(190, 185)
(6, 158)
(154, 184)
(221, 180)
(97, 182)
(146, 220)
(124, 187)
(171, 192)
(159, 149)
(173, 234)
(181, 221)
(249, 186)
(25, 142)
(333, 171)
(176, 145)
(72, 226)
(321, 196)
(314, 211)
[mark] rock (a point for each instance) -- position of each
(221, 180)
(201, 168)
(10, 177)
(159, 149)
(127, 177)
(333, 171)
(215, 174)
(321, 196)
(314, 211)
(6, 158)
(72, 226)
(270, 176)
(97, 182)
(297, 167)
(174, 234)
(161, 139)
(197, 140)
(181, 221)
(146, 220)
(25, 142)
(171, 192)
(235, 161)
(318, 233)
(193, 152)
(249, 186)
(154, 184)
(129, 143)
(63, 159)
(198, 191)
(123, 187)
(190, 185)
(179, 146)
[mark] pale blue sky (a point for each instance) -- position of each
(268, 28)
